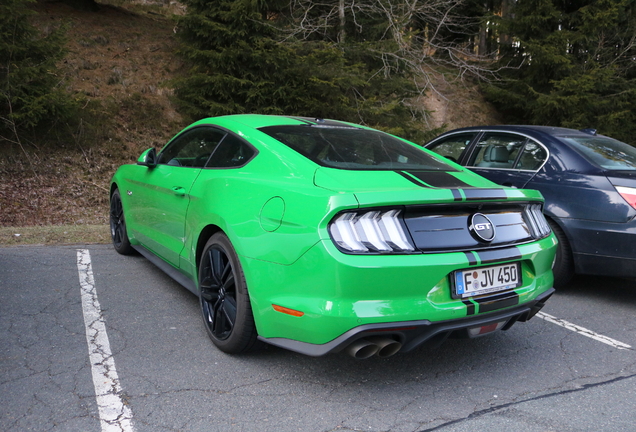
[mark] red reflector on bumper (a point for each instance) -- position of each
(288, 311)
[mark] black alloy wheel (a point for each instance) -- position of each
(225, 303)
(118, 232)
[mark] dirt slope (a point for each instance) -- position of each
(121, 61)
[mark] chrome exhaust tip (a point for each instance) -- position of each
(362, 349)
(386, 346)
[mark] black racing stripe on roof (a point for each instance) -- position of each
(491, 256)
(489, 304)
(439, 179)
(484, 194)
(412, 179)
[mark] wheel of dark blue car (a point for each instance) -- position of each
(118, 232)
(564, 263)
(225, 303)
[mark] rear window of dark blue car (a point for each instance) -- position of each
(354, 148)
(605, 152)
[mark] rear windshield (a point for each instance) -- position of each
(354, 149)
(605, 152)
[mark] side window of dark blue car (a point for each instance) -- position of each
(453, 146)
(497, 150)
(510, 151)
(532, 157)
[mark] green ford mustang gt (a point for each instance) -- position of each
(322, 236)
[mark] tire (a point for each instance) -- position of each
(224, 299)
(118, 231)
(563, 269)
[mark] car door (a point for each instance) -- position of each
(161, 194)
(210, 191)
(508, 159)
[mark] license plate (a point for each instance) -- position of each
(485, 280)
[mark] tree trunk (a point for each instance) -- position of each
(341, 14)
(504, 39)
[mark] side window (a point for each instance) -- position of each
(232, 152)
(496, 150)
(532, 157)
(192, 148)
(452, 147)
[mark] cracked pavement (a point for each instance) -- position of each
(535, 377)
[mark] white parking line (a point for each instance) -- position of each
(583, 331)
(114, 415)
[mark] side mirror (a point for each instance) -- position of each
(148, 158)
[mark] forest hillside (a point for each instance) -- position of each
(119, 65)
(87, 85)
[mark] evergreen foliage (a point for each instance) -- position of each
(241, 62)
(30, 92)
(574, 66)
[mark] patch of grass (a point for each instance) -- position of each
(54, 234)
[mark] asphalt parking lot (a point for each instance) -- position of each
(91, 340)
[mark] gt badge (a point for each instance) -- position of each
(481, 228)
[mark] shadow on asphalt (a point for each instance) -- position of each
(602, 288)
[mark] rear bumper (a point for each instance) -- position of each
(413, 334)
(336, 294)
(602, 248)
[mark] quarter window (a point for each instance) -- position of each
(192, 148)
(232, 152)
(532, 157)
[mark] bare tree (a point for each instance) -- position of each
(432, 39)
(425, 36)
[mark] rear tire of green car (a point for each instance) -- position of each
(563, 269)
(118, 231)
(224, 299)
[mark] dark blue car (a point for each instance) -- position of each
(588, 181)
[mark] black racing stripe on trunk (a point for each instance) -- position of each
(484, 194)
(439, 179)
(491, 256)
(500, 301)
(412, 179)
(471, 258)
(470, 307)
(457, 195)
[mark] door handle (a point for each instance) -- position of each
(178, 190)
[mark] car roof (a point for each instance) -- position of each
(257, 121)
(548, 130)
